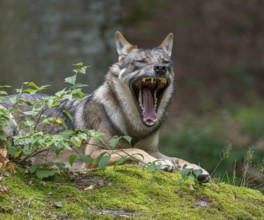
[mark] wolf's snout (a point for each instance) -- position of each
(160, 69)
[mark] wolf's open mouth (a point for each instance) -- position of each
(148, 92)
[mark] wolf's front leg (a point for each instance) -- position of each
(180, 164)
(131, 154)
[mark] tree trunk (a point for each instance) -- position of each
(40, 40)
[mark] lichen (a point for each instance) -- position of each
(125, 191)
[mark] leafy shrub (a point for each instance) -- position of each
(31, 139)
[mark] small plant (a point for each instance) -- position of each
(250, 174)
(247, 164)
(223, 156)
(32, 139)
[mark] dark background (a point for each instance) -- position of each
(216, 114)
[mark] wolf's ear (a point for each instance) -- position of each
(167, 44)
(122, 45)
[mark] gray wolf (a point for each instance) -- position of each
(132, 101)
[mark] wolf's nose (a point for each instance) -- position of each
(160, 69)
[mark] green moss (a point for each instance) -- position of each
(127, 191)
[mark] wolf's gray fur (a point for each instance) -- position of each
(132, 101)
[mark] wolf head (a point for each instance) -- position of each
(147, 75)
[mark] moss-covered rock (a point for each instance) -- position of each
(125, 192)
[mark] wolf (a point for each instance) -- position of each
(132, 101)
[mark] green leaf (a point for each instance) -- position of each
(152, 167)
(17, 153)
(128, 139)
(97, 135)
(61, 145)
(27, 150)
(43, 173)
(78, 94)
(78, 64)
(12, 150)
(76, 141)
(60, 165)
(70, 80)
(197, 172)
(33, 113)
(185, 172)
(55, 104)
(104, 161)
(28, 103)
(80, 85)
(81, 70)
(29, 90)
(191, 177)
(83, 136)
(180, 181)
(37, 88)
(5, 86)
(67, 96)
(66, 133)
(58, 204)
(100, 157)
(66, 112)
(3, 92)
(72, 158)
(33, 85)
(120, 161)
(33, 168)
(60, 93)
(85, 158)
(141, 155)
(3, 135)
(50, 102)
(44, 87)
(29, 122)
(114, 141)
(13, 99)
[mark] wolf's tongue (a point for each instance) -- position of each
(149, 114)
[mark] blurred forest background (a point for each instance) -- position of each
(217, 112)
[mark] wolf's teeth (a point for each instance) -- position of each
(140, 97)
(146, 120)
(163, 81)
(155, 99)
(154, 120)
(154, 79)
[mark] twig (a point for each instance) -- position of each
(43, 109)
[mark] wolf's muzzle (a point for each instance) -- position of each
(160, 69)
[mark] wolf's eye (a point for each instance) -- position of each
(166, 62)
(140, 61)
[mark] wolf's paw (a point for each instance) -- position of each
(165, 165)
(201, 175)
(204, 177)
